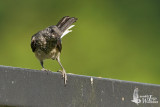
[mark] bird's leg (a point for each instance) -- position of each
(43, 69)
(63, 72)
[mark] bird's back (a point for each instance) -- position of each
(45, 41)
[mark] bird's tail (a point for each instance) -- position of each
(65, 24)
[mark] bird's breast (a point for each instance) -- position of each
(41, 55)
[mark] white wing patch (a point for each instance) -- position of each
(67, 31)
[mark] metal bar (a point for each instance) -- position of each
(21, 87)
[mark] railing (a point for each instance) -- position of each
(21, 87)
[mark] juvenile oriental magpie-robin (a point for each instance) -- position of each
(46, 44)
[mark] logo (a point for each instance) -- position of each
(143, 98)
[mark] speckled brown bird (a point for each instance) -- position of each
(46, 44)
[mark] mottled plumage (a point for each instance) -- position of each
(46, 44)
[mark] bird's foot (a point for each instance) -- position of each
(43, 69)
(64, 75)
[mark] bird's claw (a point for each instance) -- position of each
(43, 69)
(64, 75)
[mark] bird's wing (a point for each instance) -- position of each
(33, 44)
(59, 44)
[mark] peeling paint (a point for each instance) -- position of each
(12, 82)
(91, 80)
(101, 100)
(122, 98)
(82, 90)
(113, 86)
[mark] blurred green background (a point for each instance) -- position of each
(111, 39)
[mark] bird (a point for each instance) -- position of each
(47, 43)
